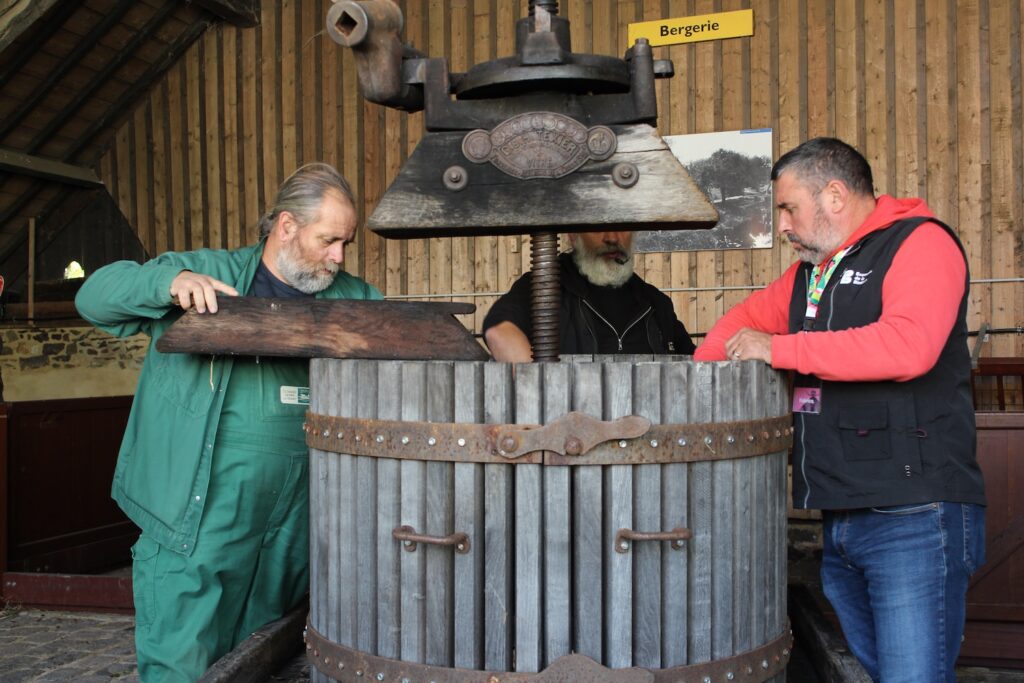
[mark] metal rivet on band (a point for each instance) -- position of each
(341, 435)
(461, 442)
(731, 438)
(622, 444)
(707, 440)
(380, 438)
(405, 440)
(432, 441)
(327, 432)
(654, 443)
(681, 441)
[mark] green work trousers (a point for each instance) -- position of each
(250, 564)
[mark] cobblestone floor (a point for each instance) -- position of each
(49, 646)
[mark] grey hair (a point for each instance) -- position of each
(822, 160)
(303, 192)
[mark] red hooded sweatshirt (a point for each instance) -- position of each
(920, 298)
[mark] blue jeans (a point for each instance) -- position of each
(897, 578)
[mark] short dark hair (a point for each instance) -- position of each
(821, 160)
(302, 193)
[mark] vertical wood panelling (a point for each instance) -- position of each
(929, 90)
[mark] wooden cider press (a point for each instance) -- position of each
(537, 143)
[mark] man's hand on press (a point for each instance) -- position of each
(748, 344)
(190, 288)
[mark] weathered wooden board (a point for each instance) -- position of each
(388, 330)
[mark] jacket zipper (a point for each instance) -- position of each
(615, 331)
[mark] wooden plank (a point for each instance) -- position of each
(469, 592)
(558, 527)
(414, 514)
(529, 530)
(909, 77)
(675, 496)
(848, 59)
(214, 184)
(818, 79)
(366, 514)
(310, 38)
(972, 160)
(727, 385)
(269, 95)
(649, 556)
(344, 496)
(231, 117)
(13, 161)
(142, 173)
(389, 506)
(618, 511)
(1006, 214)
(878, 97)
(499, 523)
(251, 141)
(288, 87)
(161, 188)
(320, 520)
(941, 112)
(179, 199)
(701, 503)
(326, 328)
(587, 516)
(439, 522)
(195, 149)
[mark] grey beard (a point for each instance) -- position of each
(602, 272)
(306, 281)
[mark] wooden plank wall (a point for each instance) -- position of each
(929, 90)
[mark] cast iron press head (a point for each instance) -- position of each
(544, 141)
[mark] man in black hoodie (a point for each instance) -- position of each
(605, 306)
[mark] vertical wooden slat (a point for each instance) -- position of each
(196, 150)
(213, 137)
(701, 503)
(345, 496)
(648, 557)
(414, 514)
(366, 515)
(848, 53)
(252, 200)
(231, 115)
(320, 515)
(587, 516)
(468, 609)
(529, 521)
(674, 496)
(498, 527)
(311, 37)
(178, 209)
(876, 21)
(762, 88)
(557, 525)
(1006, 255)
(143, 172)
(971, 158)
(330, 84)
(161, 188)
(270, 100)
(909, 78)
(389, 507)
(618, 509)
(819, 84)
(440, 518)
(722, 523)
(352, 147)
(288, 88)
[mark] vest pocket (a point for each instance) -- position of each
(864, 431)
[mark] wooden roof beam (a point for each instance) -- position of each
(39, 167)
(17, 16)
(241, 13)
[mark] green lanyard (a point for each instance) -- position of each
(816, 285)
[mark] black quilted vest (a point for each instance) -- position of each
(883, 443)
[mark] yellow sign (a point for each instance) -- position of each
(694, 29)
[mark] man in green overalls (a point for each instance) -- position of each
(213, 466)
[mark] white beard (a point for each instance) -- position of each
(299, 274)
(601, 271)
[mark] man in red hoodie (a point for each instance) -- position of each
(872, 320)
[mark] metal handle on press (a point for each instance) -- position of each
(409, 538)
(624, 537)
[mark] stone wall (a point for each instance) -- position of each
(41, 363)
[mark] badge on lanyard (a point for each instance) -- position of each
(807, 400)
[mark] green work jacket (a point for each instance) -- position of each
(163, 468)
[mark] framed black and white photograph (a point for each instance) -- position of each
(733, 169)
